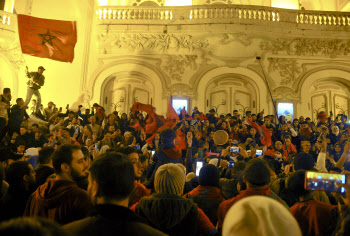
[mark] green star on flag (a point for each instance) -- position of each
(47, 38)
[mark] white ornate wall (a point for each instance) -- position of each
(204, 53)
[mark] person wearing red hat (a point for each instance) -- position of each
(35, 82)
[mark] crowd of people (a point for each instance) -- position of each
(85, 172)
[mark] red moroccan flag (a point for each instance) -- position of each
(53, 39)
(180, 140)
(136, 126)
(171, 113)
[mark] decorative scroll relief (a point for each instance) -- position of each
(160, 42)
(145, 2)
(175, 65)
(13, 54)
(307, 47)
(288, 69)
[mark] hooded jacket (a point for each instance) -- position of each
(174, 215)
(59, 200)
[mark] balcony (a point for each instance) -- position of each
(221, 14)
(6, 19)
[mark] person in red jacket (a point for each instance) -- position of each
(257, 178)
(314, 217)
(61, 199)
(207, 195)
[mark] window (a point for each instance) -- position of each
(178, 104)
(286, 109)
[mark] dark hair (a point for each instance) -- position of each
(239, 166)
(25, 127)
(114, 174)
(257, 172)
(126, 150)
(15, 173)
(248, 112)
(6, 90)
(36, 125)
(21, 142)
(143, 158)
(209, 175)
(296, 183)
(31, 226)
(85, 151)
(18, 99)
(45, 155)
(63, 155)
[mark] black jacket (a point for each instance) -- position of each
(16, 117)
(111, 220)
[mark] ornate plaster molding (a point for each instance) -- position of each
(13, 54)
(160, 42)
(288, 68)
(307, 47)
(175, 65)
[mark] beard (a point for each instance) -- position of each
(81, 181)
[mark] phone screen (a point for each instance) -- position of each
(199, 165)
(259, 152)
(96, 147)
(137, 147)
(234, 149)
(76, 131)
(231, 164)
(324, 181)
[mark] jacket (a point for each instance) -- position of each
(262, 191)
(161, 157)
(315, 217)
(174, 215)
(107, 219)
(208, 199)
(59, 200)
(38, 78)
(16, 117)
(139, 191)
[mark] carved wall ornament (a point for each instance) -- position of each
(175, 65)
(162, 42)
(307, 47)
(14, 54)
(288, 68)
(148, 2)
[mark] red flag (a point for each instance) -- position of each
(150, 139)
(203, 117)
(53, 39)
(136, 126)
(266, 138)
(137, 106)
(180, 141)
(183, 113)
(171, 114)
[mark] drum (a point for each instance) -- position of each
(220, 137)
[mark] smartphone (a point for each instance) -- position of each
(324, 181)
(259, 152)
(153, 153)
(137, 147)
(199, 165)
(76, 130)
(234, 149)
(231, 164)
(96, 147)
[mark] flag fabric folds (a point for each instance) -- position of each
(171, 113)
(53, 39)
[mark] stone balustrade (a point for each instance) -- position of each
(218, 14)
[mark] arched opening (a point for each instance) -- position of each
(325, 90)
(241, 88)
(130, 81)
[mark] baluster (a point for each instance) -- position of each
(306, 19)
(104, 13)
(171, 15)
(201, 13)
(167, 15)
(195, 14)
(206, 13)
(162, 13)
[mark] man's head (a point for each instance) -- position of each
(21, 147)
(267, 120)
(132, 154)
(278, 145)
(93, 120)
(257, 173)
(305, 146)
(35, 127)
(167, 136)
(45, 155)
(301, 119)
(37, 136)
(296, 183)
(295, 122)
(6, 92)
(20, 102)
(303, 161)
(69, 162)
(209, 175)
(20, 175)
(23, 130)
(71, 115)
(50, 105)
(41, 69)
(170, 179)
(111, 178)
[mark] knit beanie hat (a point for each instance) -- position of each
(303, 161)
(209, 176)
(257, 172)
(260, 215)
(169, 179)
(190, 176)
